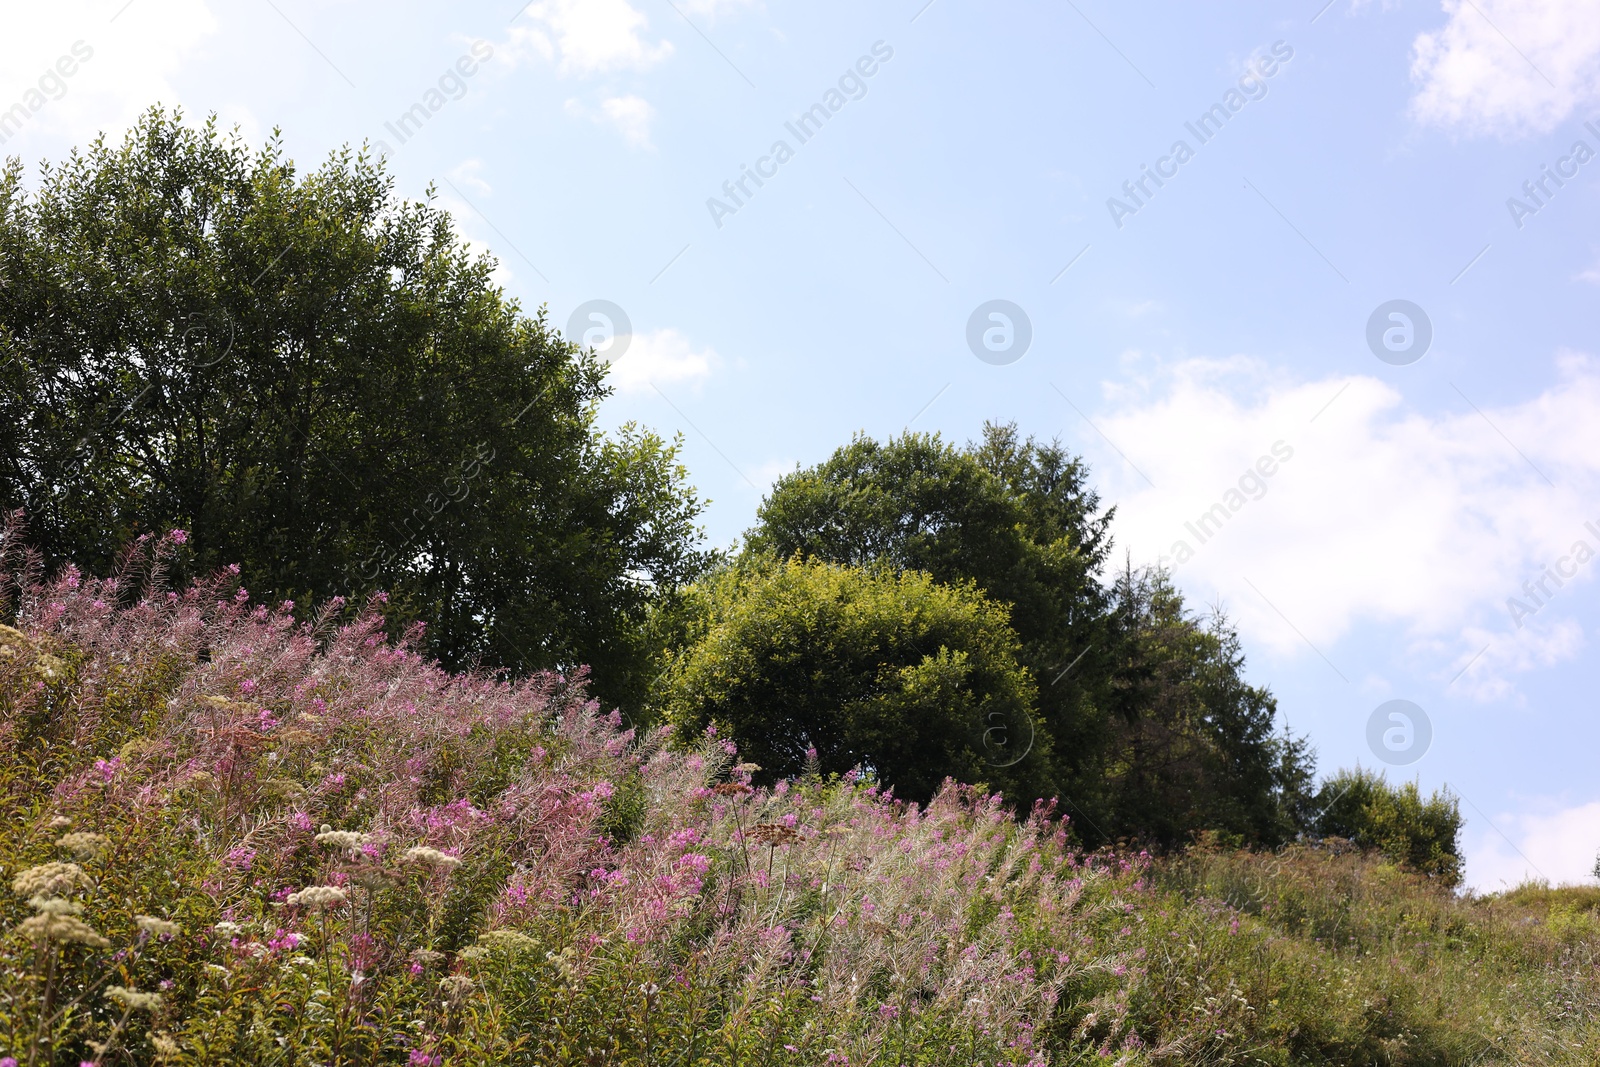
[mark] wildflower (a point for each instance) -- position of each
(85, 846)
(179, 537)
(319, 897)
(55, 906)
(731, 789)
(60, 822)
(133, 1000)
(345, 840)
(456, 987)
(49, 880)
(61, 928)
(423, 856)
(164, 1044)
(157, 927)
(426, 956)
(228, 929)
(507, 939)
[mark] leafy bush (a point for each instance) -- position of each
(1423, 834)
(806, 661)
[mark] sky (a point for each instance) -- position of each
(1311, 286)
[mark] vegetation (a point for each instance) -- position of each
(317, 382)
(232, 837)
(847, 668)
(1153, 731)
(806, 809)
(1424, 834)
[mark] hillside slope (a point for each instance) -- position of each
(232, 838)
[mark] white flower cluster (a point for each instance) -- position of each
(319, 897)
(423, 856)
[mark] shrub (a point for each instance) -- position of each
(1423, 834)
(912, 680)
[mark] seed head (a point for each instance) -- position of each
(85, 846)
(55, 906)
(157, 927)
(319, 897)
(432, 858)
(134, 1000)
(49, 880)
(344, 840)
(61, 929)
(455, 987)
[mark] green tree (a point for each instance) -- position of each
(316, 380)
(1425, 835)
(1190, 742)
(1156, 734)
(909, 678)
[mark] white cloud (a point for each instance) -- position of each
(661, 357)
(590, 36)
(1555, 845)
(1381, 513)
(713, 8)
(1508, 67)
(630, 115)
(468, 172)
(129, 65)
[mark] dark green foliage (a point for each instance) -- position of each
(1423, 834)
(317, 382)
(1190, 744)
(912, 679)
(1155, 732)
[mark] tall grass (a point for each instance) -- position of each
(235, 838)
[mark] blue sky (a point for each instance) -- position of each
(1180, 336)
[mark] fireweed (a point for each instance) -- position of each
(297, 843)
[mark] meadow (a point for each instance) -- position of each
(234, 837)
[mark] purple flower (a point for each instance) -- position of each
(179, 537)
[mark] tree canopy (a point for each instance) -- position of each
(316, 380)
(1154, 731)
(910, 679)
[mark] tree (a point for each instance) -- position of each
(1425, 835)
(908, 678)
(1191, 743)
(316, 381)
(1155, 732)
